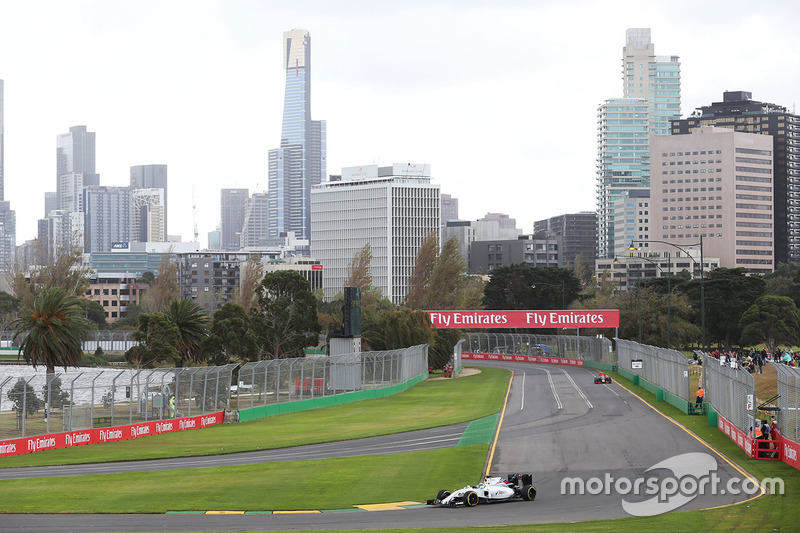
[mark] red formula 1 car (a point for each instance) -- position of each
(602, 377)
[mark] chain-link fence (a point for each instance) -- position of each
(37, 403)
(596, 349)
(282, 380)
(789, 400)
(731, 391)
(665, 368)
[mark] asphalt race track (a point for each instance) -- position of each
(557, 424)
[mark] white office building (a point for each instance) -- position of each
(392, 208)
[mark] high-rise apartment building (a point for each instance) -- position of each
(715, 185)
(255, 229)
(654, 78)
(75, 166)
(2, 144)
(149, 215)
(651, 97)
(738, 111)
(152, 177)
(232, 208)
(299, 164)
(393, 209)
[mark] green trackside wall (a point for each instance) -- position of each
(605, 367)
(660, 394)
(326, 401)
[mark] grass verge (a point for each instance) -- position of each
(263, 487)
(429, 404)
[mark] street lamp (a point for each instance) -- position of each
(669, 296)
(702, 278)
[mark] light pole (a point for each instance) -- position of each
(669, 296)
(702, 278)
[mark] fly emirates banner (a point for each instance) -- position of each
(596, 318)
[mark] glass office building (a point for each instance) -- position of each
(299, 163)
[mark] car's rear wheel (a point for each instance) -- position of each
(442, 494)
(528, 493)
(471, 499)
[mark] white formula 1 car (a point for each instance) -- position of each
(493, 489)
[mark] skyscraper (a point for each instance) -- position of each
(8, 231)
(2, 140)
(107, 217)
(740, 112)
(75, 166)
(651, 97)
(152, 177)
(299, 163)
(232, 207)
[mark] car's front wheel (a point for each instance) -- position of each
(471, 499)
(528, 493)
(442, 494)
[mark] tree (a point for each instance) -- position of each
(9, 308)
(158, 338)
(164, 289)
(286, 322)
(251, 274)
(65, 272)
(771, 320)
(724, 312)
(24, 397)
(95, 313)
(58, 397)
(397, 327)
(191, 322)
(55, 327)
(359, 275)
(522, 286)
(232, 337)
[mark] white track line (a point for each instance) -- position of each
(578, 389)
(522, 404)
(553, 387)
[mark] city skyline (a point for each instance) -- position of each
(198, 87)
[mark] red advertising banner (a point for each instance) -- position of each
(596, 318)
(56, 441)
(739, 437)
(522, 358)
(789, 452)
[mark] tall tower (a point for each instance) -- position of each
(2, 140)
(232, 209)
(651, 97)
(75, 166)
(152, 177)
(299, 163)
(8, 232)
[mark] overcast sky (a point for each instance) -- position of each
(499, 97)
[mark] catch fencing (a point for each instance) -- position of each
(282, 380)
(730, 391)
(37, 403)
(595, 349)
(666, 369)
(789, 400)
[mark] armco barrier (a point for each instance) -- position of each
(739, 437)
(523, 358)
(326, 401)
(55, 441)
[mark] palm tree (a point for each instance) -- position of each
(56, 327)
(192, 324)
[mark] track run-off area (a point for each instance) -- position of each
(556, 424)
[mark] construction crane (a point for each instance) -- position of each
(194, 216)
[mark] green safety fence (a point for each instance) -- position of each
(326, 401)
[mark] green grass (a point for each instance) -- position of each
(429, 404)
(262, 487)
